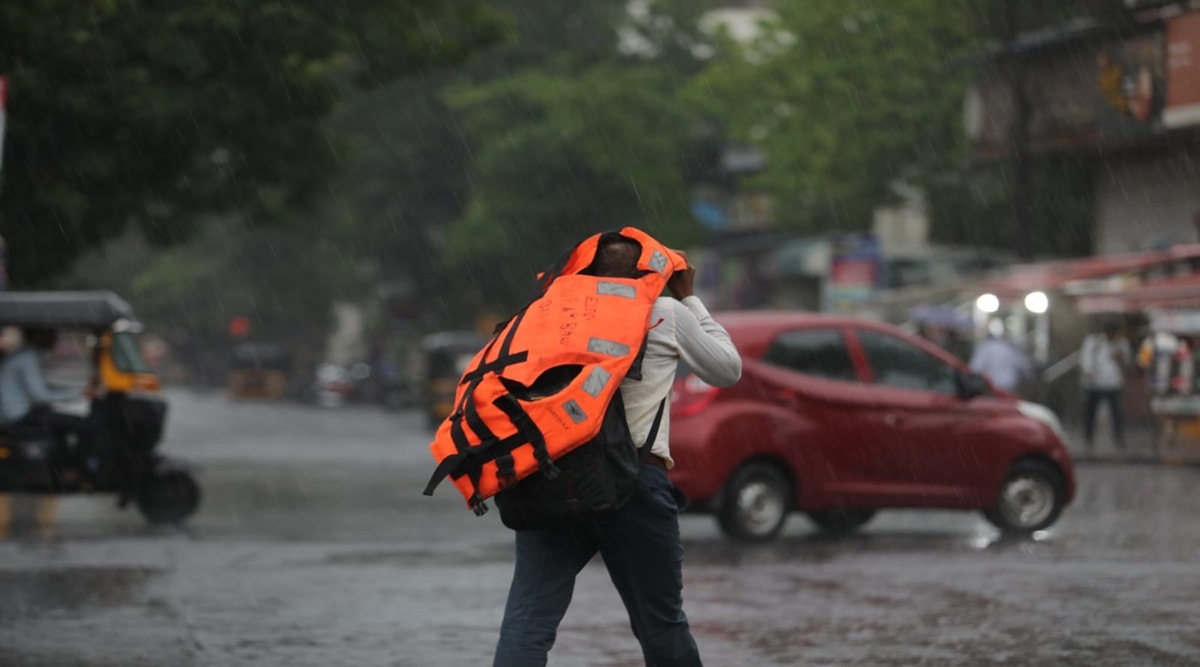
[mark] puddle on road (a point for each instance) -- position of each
(25, 594)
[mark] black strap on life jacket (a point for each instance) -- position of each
(461, 458)
(469, 460)
(529, 431)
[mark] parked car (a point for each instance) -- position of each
(839, 417)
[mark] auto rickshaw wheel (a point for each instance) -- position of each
(168, 497)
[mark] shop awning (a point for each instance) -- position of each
(1058, 275)
(1182, 292)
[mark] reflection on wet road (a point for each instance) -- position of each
(315, 547)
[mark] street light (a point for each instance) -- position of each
(988, 303)
(1037, 302)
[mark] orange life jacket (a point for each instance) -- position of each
(501, 431)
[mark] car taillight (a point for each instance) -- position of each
(691, 396)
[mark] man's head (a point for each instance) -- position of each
(996, 328)
(39, 338)
(1111, 329)
(617, 257)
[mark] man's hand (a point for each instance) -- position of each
(681, 282)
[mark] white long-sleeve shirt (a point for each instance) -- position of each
(1002, 363)
(23, 385)
(680, 330)
(1097, 361)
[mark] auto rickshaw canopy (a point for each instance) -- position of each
(83, 310)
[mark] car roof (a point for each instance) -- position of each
(95, 309)
(753, 330)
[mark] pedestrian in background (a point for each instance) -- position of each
(1001, 362)
(1103, 360)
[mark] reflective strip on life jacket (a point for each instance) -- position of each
(587, 329)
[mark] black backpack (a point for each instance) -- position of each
(598, 476)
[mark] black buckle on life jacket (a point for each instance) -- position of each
(506, 472)
(479, 508)
(530, 432)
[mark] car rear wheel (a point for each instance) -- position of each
(841, 521)
(1030, 499)
(756, 503)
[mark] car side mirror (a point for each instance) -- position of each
(971, 385)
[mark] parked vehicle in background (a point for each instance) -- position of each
(841, 417)
(336, 385)
(259, 371)
(332, 385)
(446, 356)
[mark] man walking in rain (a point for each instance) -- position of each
(1103, 361)
(1003, 363)
(640, 543)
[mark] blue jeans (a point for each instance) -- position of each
(642, 550)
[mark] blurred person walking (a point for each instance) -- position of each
(1004, 364)
(640, 542)
(1103, 361)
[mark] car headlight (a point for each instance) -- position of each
(1044, 415)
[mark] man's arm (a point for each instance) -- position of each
(1026, 368)
(978, 359)
(37, 388)
(1087, 357)
(1124, 354)
(704, 345)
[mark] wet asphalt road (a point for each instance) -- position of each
(315, 547)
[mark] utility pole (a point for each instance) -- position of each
(3, 116)
(1014, 69)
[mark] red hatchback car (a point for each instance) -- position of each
(840, 417)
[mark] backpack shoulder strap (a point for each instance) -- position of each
(644, 450)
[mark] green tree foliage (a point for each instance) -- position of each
(566, 156)
(842, 97)
(594, 136)
(164, 114)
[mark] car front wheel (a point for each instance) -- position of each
(757, 501)
(1030, 499)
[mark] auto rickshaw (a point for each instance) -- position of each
(446, 356)
(259, 371)
(126, 411)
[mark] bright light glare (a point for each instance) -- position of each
(1037, 302)
(988, 303)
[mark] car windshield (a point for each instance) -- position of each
(126, 353)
